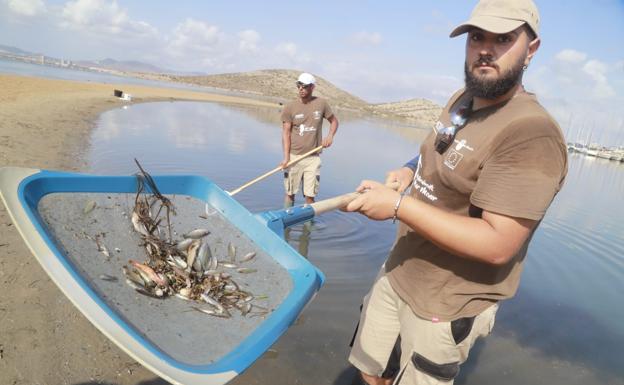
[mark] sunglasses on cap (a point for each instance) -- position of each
(301, 85)
(445, 136)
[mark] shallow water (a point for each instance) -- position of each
(563, 327)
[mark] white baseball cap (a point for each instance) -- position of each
(306, 78)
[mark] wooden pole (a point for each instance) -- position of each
(276, 169)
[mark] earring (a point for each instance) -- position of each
(524, 67)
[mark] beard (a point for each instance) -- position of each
(493, 88)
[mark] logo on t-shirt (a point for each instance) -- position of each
(303, 129)
(462, 144)
(453, 158)
(317, 115)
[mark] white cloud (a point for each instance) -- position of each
(193, 37)
(368, 38)
(248, 40)
(570, 55)
(26, 7)
(99, 16)
(598, 72)
(287, 49)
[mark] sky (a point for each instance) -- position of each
(379, 51)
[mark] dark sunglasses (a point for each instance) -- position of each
(301, 85)
(445, 136)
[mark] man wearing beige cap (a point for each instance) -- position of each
(302, 130)
(468, 207)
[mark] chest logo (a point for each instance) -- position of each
(317, 115)
(453, 158)
(462, 144)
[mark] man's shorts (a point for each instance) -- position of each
(308, 170)
(431, 351)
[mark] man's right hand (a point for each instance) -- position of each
(284, 163)
(403, 175)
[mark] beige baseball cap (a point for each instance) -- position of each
(501, 16)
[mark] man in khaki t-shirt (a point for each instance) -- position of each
(302, 130)
(482, 183)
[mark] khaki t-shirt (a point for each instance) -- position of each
(307, 123)
(509, 159)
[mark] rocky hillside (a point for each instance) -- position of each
(274, 83)
(421, 110)
(281, 84)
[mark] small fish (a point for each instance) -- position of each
(212, 312)
(248, 256)
(197, 234)
(184, 244)
(89, 207)
(149, 272)
(101, 248)
(245, 308)
(246, 270)
(192, 254)
(179, 262)
(213, 302)
(182, 297)
(203, 258)
(108, 278)
(138, 226)
(132, 275)
(228, 265)
(231, 252)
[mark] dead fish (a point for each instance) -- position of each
(248, 256)
(228, 265)
(212, 312)
(133, 276)
(141, 290)
(101, 247)
(197, 234)
(203, 259)
(246, 270)
(192, 254)
(184, 244)
(245, 308)
(89, 207)
(231, 252)
(213, 302)
(138, 226)
(149, 272)
(182, 297)
(108, 278)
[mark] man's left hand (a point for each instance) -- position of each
(376, 201)
(327, 141)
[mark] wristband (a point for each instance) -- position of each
(396, 208)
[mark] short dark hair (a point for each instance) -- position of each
(530, 32)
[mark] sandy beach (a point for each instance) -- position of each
(43, 339)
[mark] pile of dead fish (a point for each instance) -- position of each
(185, 268)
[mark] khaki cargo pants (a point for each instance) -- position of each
(431, 352)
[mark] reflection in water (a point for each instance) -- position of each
(563, 327)
(299, 236)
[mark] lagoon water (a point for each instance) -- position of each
(563, 327)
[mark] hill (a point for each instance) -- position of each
(274, 83)
(279, 83)
(421, 110)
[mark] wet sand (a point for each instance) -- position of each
(43, 339)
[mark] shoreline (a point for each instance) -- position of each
(44, 339)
